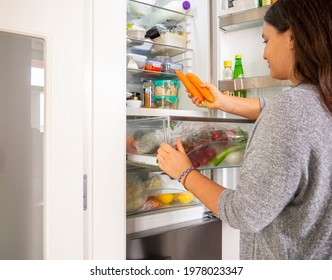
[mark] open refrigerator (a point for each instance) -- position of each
(158, 225)
(84, 78)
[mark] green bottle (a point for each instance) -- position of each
(239, 74)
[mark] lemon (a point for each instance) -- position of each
(165, 198)
(185, 197)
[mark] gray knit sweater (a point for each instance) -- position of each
(283, 202)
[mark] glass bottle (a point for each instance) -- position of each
(239, 74)
(227, 75)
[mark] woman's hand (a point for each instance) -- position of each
(217, 95)
(172, 161)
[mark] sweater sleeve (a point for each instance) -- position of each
(262, 103)
(271, 170)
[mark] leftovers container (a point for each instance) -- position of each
(153, 65)
(136, 31)
(139, 46)
(170, 67)
(166, 102)
(166, 87)
(171, 40)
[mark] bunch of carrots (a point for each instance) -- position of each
(193, 85)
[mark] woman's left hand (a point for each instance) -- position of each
(172, 161)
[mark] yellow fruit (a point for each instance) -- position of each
(185, 197)
(165, 198)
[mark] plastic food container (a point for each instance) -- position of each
(166, 87)
(170, 67)
(170, 39)
(138, 59)
(153, 65)
(136, 31)
(166, 102)
(134, 103)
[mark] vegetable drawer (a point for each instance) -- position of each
(210, 143)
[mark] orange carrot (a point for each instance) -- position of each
(197, 83)
(189, 86)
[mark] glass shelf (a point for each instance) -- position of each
(252, 83)
(154, 112)
(152, 49)
(243, 20)
(136, 76)
(146, 10)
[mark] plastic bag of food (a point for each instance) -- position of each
(137, 10)
(135, 194)
(211, 144)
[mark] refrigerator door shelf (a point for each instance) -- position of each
(252, 83)
(243, 20)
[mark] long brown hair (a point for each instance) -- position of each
(311, 24)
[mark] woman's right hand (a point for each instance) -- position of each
(244, 107)
(217, 95)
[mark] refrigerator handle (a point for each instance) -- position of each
(85, 192)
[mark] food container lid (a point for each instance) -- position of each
(171, 98)
(154, 62)
(161, 82)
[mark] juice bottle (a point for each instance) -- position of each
(239, 74)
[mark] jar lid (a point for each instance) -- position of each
(227, 63)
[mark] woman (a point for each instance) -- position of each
(283, 202)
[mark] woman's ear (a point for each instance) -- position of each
(291, 41)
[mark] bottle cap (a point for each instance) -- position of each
(238, 56)
(227, 63)
(186, 5)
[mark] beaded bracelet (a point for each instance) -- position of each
(185, 172)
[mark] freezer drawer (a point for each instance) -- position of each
(195, 240)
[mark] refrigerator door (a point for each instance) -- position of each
(41, 129)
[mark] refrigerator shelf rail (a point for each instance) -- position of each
(243, 20)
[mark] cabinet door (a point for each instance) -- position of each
(41, 147)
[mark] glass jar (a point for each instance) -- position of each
(148, 93)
